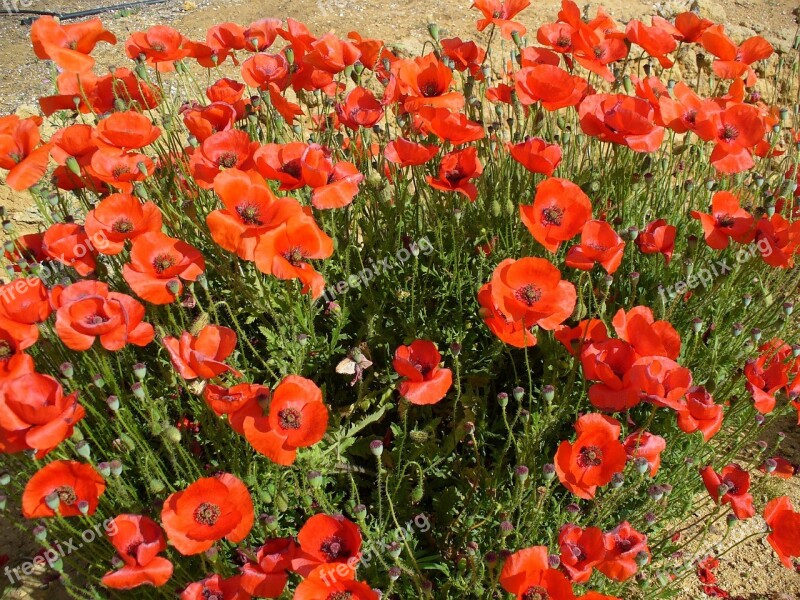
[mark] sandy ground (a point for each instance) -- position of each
(750, 572)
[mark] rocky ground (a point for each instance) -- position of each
(751, 571)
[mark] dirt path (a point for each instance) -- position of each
(751, 571)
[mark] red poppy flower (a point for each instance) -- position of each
(405, 153)
(204, 121)
(593, 458)
(455, 172)
(447, 125)
(251, 209)
(500, 14)
(202, 355)
(559, 36)
(341, 186)
(510, 332)
(765, 375)
(580, 551)
(777, 240)
(261, 34)
(331, 540)
(734, 131)
(321, 584)
(782, 468)
(657, 237)
(700, 413)
(550, 85)
(623, 544)
(23, 304)
(734, 61)
(426, 382)
(282, 163)
(466, 56)
(13, 361)
(208, 510)
(595, 50)
(120, 217)
(228, 91)
(68, 45)
(680, 114)
(68, 244)
(21, 153)
(425, 81)
(224, 150)
(160, 46)
(584, 333)
(296, 418)
(267, 575)
(661, 381)
(599, 244)
(560, 210)
(138, 540)
(27, 248)
(648, 337)
(282, 252)
(260, 70)
(120, 169)
(609, 362)
(331, 54)
(359, 109)
(157, 265)
(128, 130)
(527, 574)
(35, 414)
(621, 119)
(215, 587)
(87, 310)
(72, 148)
(73, 488)
(784, 524)
(646, 445)
(691, 26)
(730, 486)
(225, 401)
(536, 155)
(657, 39)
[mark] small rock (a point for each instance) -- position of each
(710, 10)
(189, 5)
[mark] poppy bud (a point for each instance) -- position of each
(548, 393)
(730, 519)
(518, 393)
(67, 370)
(642, 558)
(140, 370)
(57, 564)
(641, 465)
(737, 329)
(83, 507)
(104, 469)
(506, 527)
(628, 85)
(433, 29)
(455, 348)
(502, 399)
(549, 471)
(360, 511)
(212, 553)
(137, 390)
(394, 573)
(174, 286)
(40, 533)
(2, 501)
(116, 468)
(98, 381)
(617, 480)
(156, 486)
(522, 473)
(172, 434)
(113, 403)
(650, 518)
(655, 492)
(5, 478)
(394, 549)
(770, 465)
(755, 334)
(554, 561)
(697, 325)
(796, 350)
(517, 39)
(760, 420)
(83, 449)
(491, 557)
(788, 308)
(315, 479)
(573, 508)
(73, 165)
(376, 447)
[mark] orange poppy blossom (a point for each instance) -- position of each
(261, 34)
(599, 244)
(648, 446)
(268, 574)
(691, 26)
(35, 414)
(456, 170)
(730, 486)
(87, 310)
(595, 49)
(528, 574)
(250, 210)
(293, 416)
(680, 113)
(608, 364)
(215, 587)
(359, 109)
(512, 333)
(72, 148)
(210, 509)
(13, 361)
(536, 155)
(551, 86)
(160, 46)
(699, 413)
(328, 540)
(64, 487)
(69, 45)
(425, 81)
(623, 546)
(138, 541)
(340, 188)
(766, 376)
(406, 153)
(648, 337)
(228, 91)
(425, 381)
(658, 39)
(23, 304)
(777, 240)
(319, 587)
(282, 252)
(21, 151)
(120, 169)
(621, 119)
(127, 130)
(282, 163)
(575, 339)
(226, 401)
(580, 551)
(661, 381)
(466, 56)
(69, 244)
(260, 70)
(784, 529)
(732, 61)
(657, 237)
(559, 211)
(204, 121)
(120, 217)
(593, 458)
(500, 14)
(202, 355)
(735, 131)
(447, 125)
(26, 247)
(157, 265)
(222, 150)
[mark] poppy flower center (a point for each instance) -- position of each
(732, 488)
(227, 160)
(122, 225)
(690, 116)
(248, 213)
(16, 157)
(334, 548)
(597, 246)
(132, 549)
(340, 596)
(5, 350)
(294, 256)
(577, 552)
(590, 456)
(725, 220)
(289, 418)
(207, 514)
(528, 294)
(424, 369)
(535, 592)
(552, 216)
(728, 133)
(429, 89)
(599, 52)
(454, 176)
(292, 168)
(66, 494)
(163, 262)
(119, 171)
(212, 594)
(564, 42)
(96, 319)
(623, 544)
(158, 47)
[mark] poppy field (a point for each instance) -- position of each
(315, 317)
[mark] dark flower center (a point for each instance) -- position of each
(66, 494)
(207, 514)
(290, 418)
(96, 319)
(564, 42)
(119, 171)
(728, 133)
(334, 548)
(123, 225)
(577, 552)
(725, 220)
(552, 216)
(590, 456)
(294, 256)
(340, 596)
(248, 213)
(227, 160)
(292, 168)
(429, 89)
(132, 549)
(5, 350)
(623, 544)
(732, 487)
(163, 262)
(528, 294)
(690, 116)
(454, 176)
(535, 592)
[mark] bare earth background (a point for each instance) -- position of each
(751, 571)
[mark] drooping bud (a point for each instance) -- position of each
(376, 447)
